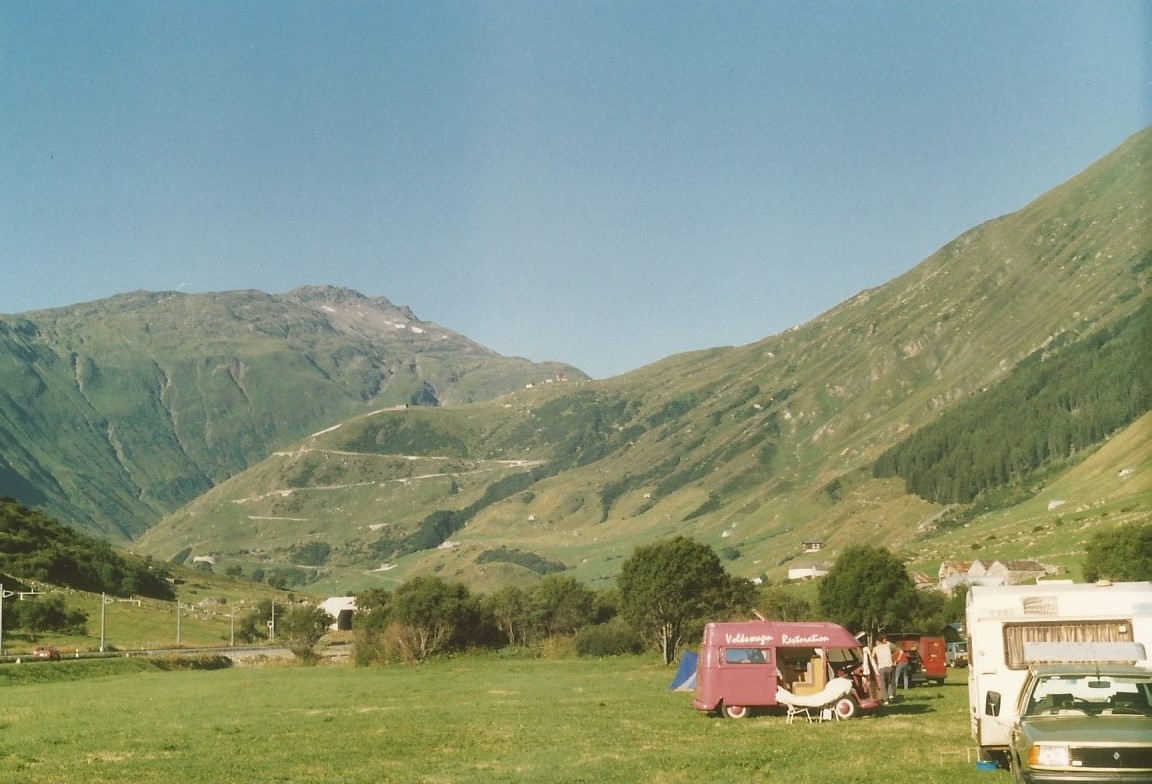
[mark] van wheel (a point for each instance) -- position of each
(845, 708)
(737, 711)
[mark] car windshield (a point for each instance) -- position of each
(1091, 695)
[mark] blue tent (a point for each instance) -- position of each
(685, 677)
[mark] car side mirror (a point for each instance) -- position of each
(992, 704)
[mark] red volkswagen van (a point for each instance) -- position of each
(741, 666)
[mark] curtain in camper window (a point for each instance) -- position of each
(1016, 635)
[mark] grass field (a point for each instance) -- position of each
(472, 719)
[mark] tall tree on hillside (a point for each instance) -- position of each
(666, 585)
(868, 589)
(1124, 553)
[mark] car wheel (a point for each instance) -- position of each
(845, 708)
(737, 711)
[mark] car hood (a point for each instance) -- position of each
(1088, 730)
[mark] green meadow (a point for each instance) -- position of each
(470, 719)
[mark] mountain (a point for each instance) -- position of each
(754, 449)
(116, 412)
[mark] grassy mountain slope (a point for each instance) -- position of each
(113, 413)
(752, 449)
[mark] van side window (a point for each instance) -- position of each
(745, 656)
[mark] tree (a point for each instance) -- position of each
(429, 614)
(668, 584)
(511, 609)
(36, 547)
(47, 614)
(375, 602)
(1124, 553)
(868, 589)
(254, 625)
(301, 628)
(934, 610)
(373, 614)
(778, 603)
(562, 605)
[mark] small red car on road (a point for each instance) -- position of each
(46, 652)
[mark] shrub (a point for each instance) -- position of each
(614, 638)
(202, 662)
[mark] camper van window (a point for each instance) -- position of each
(841, 657)
(745, 656)
(1017, 634)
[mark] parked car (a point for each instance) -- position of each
(46, 652)
(1083, 723)
(956, 654)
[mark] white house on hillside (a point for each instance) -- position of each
(961, 574)
(808, 572)
(341, 608)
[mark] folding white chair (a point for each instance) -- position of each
(798, 710)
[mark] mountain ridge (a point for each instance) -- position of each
(117, 411)
(751, 449)
(284, 432)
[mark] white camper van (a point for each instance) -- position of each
(1004, 623)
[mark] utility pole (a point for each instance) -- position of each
(2, 617)
(106, 600)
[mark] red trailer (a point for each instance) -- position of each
(747, 665)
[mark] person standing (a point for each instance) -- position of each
(868, 667)
(900, 674)
(882, 655)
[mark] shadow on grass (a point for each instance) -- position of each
(913, 702)
(905, 709)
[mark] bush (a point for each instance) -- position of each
(559, 646)
(204, 662)
(528, 560)
(369, 647)
(614, 638)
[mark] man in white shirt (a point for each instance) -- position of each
(882, 653)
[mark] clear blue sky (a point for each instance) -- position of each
(601, 183)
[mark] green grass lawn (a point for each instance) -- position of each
(471, 719)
